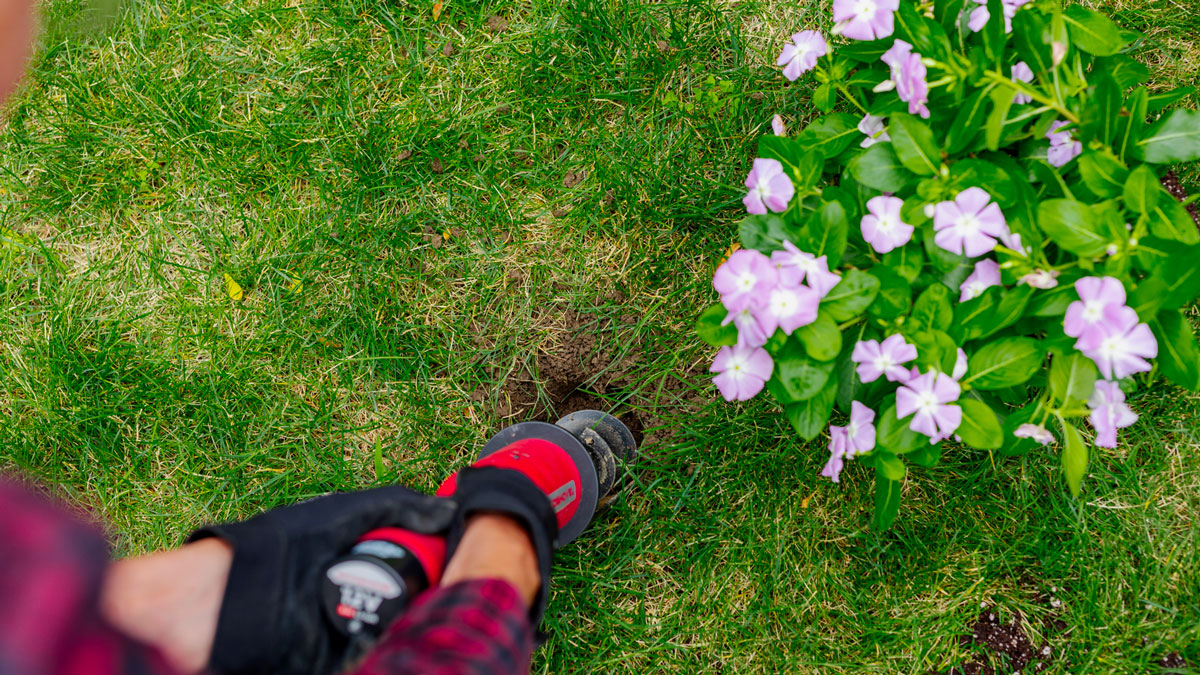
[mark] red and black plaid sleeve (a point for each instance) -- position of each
(478, 627)
(51, 566)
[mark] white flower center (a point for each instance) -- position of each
(1093, 311)
(783, 303)
(967, 224)
(746, 281)
(884, 362)
(851, 431)
(974, 289)
(927, 402)
(865, 10)
(885, 223)
(1112, 347)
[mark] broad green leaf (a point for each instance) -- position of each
(822, 339)
(927, 455)
(932, 310)
(1014, 446)
(1101, 111)
(893, 434)
(895, 294)
(765, 232)
(1164, 99)
(1002, 102)
(826, 233)
(1103, 173)
(1170, 220)
(1129, 127)
(1029, 30)
(1008, 309)
(994, 32)
(980, 427)
(935, 349)
(914, 144)
(879, 168)
(824, 97)
(1173, 139)
(1074, 457)
(1072, 225)
(851, 297)
(809, 417)
(1004, 363)
(830, 135)
(1072, 376)
(797, 377)
(1093, 32)
(968, 121)
(849, 386)
(803, 166)
(971, 317)
(997, 182)
(709, 328)
(1125, 70)
(887, 499)
(1142, 190)
(907, 261)
(892, 466)
(1178, 354)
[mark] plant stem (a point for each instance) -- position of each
(1019, 87)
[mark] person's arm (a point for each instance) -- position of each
(477, 621)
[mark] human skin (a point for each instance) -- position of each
(16, 40)
(171, 599)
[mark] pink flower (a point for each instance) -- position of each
(960, 365)
(1096, 295)
(788, 307)
(882, 227)
(980, 15)
(1043, 279)
(864, 19)
(1063, 147)
(908, 74)
(1012, 241)
(745, 280)
(1109, 413)
(970, 224)
(986, 275)
(1037, 433)
(928, 398)
(742, 372)
(795, 266)
(749, 332)
(887, 359)
(1119, 344)
(837, 453)
(770, 188)
(1021, 72)
(801, 55)
(874, 129)
(860, 433)
(777, 126)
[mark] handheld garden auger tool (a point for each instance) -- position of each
(574, 461)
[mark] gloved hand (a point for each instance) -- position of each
(271, 617)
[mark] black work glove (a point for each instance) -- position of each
(271, 618)
(511, 493)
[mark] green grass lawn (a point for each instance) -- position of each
(425, 214)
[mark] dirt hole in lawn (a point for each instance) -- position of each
(576, 375)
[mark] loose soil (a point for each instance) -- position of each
(1170, 181)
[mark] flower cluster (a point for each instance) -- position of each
(969, 248)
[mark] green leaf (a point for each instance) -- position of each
(1072, 377)
(993, 32)
(935, 349)
(1002, 102)
(830, 135)
(932, 309)
(879, 168)
(1014, 446)
(797, 377)
(893, 434)
(710, 330)
(980, 427)
(1004, 363)
(895, 294)
(1142, 190)
(975, 172)
(927, 455)
(1101, 111)
(907, 261)
(1008, 309)
(1074, 457)
(765, 232)
(851, 297)
(809, 417)
(1174, 282)
(1093, 32)
(822, 339)
(1103, 173)
(967, 122)
(1178, 354)
(1170, 220)
(914, 144)
(887, 499)
(1029, 29)
(803, 166)
(892, 466)
(1072, 225)
(1173, 139)
(1129, 127)
(826, 233)
(824, 97)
